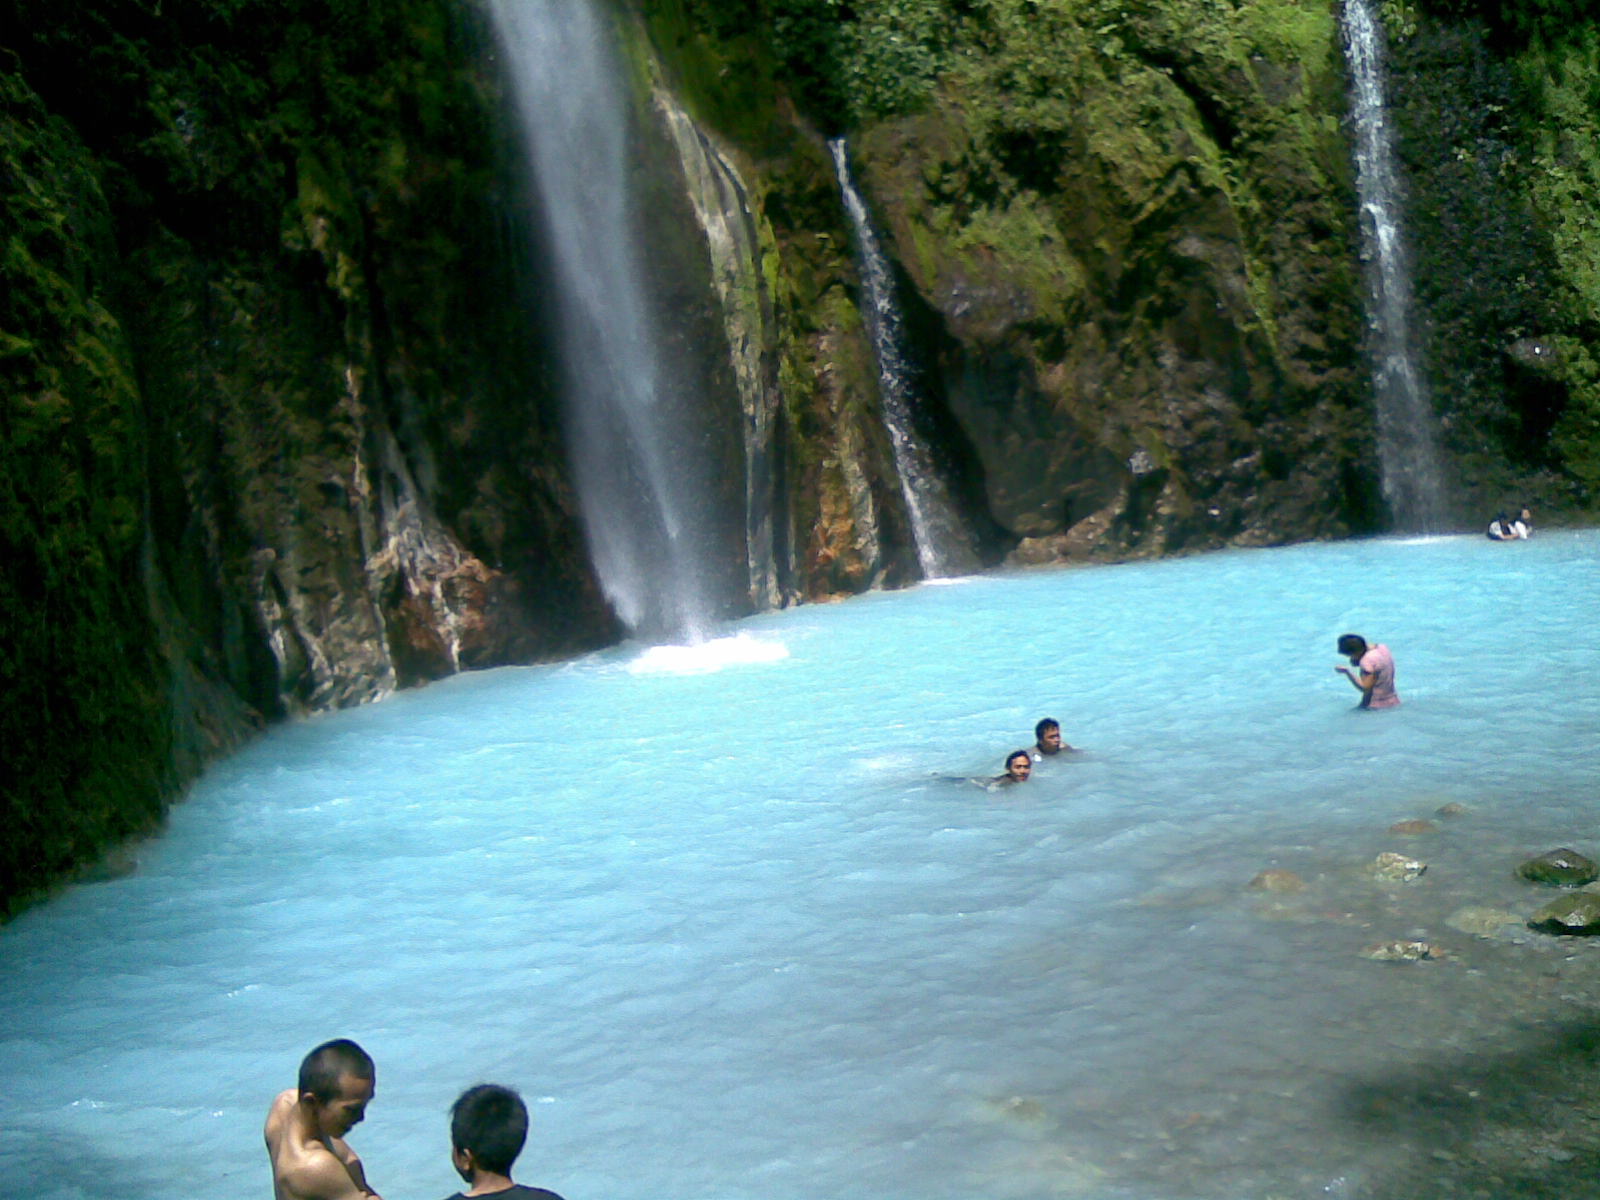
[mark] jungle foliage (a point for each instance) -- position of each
(1500, 114)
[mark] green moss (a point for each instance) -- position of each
(78, 645)
(1498, 134)
(725, 82)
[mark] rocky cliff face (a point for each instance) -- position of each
(280, 413)
(279, 436)
(1127, 237)
(1126, 243)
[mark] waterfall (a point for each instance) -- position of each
(1413, 483)
(640, 467)
(944, 545)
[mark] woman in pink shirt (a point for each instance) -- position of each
(1376, 664)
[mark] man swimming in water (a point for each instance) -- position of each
(1047, 739)
(1376, 664)
(306, 1126)
(1019, 766)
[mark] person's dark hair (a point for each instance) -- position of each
(321, 1070)
(1016, 754)
(492, 1122)
(1352, 643)
(1046, 723)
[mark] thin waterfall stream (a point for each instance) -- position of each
(1413, 479)
(944, 546)
(641, 473)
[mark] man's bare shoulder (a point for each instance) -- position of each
(278, 1115)
(304, 1168)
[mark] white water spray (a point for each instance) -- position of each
(640, 472)
(1413, 481)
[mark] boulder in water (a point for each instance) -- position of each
(1560, 868)
(1453, 809)
(1482, 922)
(1578, 913)
(1397, 868)
(1402, 951)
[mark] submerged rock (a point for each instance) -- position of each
(1024, 1110)
(1453, 809)
(1402, 951)
(1415, 825)
(1275, 879)
(1578, 913)
(1560, 868)
(1481, 922)
(1397, 868)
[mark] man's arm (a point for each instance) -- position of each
(322, 1176)
(351, 1162)
(1363, 684)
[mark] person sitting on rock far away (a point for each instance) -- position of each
(306, 1126)
(1376, 666)
(1500, 529)
(1522, 527)
(488, 1125)
(1019, 766)
(1047, 739)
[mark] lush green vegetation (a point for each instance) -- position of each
(1499, 111)
(83, 721)
(1026, 112)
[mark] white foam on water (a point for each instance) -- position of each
(715, 655)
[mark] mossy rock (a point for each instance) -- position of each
(1560, 868)
(1574, 914)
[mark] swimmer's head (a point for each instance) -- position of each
(1047, 734)
(1352, 645)
(1019, 765)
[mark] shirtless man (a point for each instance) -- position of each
(1047, 739)
(1019, 766)
(306, 1126)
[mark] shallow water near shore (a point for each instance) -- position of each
(725, 919)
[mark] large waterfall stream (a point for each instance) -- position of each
(944, 545)
(636, 447)
(1412, 478)
(727, 919)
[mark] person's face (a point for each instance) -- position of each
(1050, 740)
(345, 1111)
(1020, 767)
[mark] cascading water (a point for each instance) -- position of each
(640, 472)
(944, 546)
(1413, 481)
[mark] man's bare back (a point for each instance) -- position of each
(310, 1159)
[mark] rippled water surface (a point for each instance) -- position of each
(733, 923)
